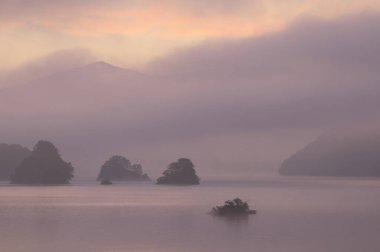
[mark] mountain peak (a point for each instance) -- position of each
(102, 65)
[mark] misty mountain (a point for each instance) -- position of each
(81, 88)
(92, 111)
(355, 155)
(80, 105)
(80, 99)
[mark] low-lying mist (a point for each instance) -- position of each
(235, 107)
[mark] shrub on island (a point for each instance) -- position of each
(233, 207)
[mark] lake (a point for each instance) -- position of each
(294, 215)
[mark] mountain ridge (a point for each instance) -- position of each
(336, 155)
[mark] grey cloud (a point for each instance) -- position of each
(315, 71)
(348, 41)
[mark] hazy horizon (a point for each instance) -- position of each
(237, 101)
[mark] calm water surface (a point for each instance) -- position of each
(294, 215)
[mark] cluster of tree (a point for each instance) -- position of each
(120, 168)
(44, 165)
(180, 172)
(235, 206)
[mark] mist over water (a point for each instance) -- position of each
(294, 215)
(232, 105)
(242, 89)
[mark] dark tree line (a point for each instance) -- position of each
(44, 165)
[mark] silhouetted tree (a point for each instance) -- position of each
(120, 168)
(43, 166)
(11, 156)
(180, 172)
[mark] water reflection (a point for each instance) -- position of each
(237, 219)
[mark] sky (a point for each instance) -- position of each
(237, 86)
(131, 33)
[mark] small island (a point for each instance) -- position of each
(233, 207)
(43, 166)
(181, 172)
(120, 168)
